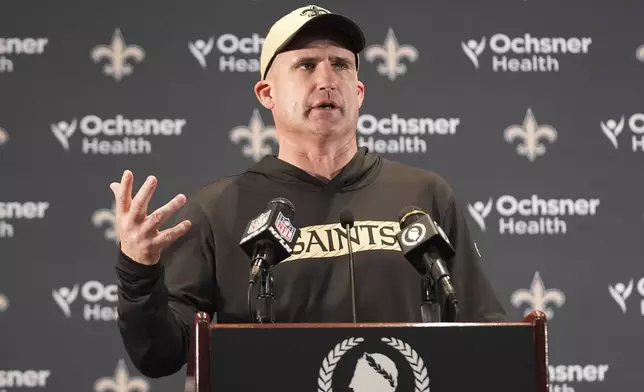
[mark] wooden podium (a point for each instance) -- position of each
(374, 357)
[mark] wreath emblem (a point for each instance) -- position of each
(325, 375)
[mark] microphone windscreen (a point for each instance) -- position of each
(346, 218)
(408, 215)
(284, 201)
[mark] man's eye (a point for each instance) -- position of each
(341, 65)
(306, 65)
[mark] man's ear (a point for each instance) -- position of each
(360, 93)
(263, 92)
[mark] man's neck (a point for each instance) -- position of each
(321, 160)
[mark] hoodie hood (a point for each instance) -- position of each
(361, 171)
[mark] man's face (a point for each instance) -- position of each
(313, 88)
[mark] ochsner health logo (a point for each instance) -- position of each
(524, 53)
(613, 128)
(14, 210)
(17, 380)
(11, 47)
(399, 135)
(621, 292)
(237, 54)
(533, 215)
(115, 136)
(99, 300)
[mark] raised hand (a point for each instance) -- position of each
(138, 232)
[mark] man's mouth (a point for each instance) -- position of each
(326, 106)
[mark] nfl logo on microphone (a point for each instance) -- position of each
(284, 227)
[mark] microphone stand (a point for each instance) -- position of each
(430, 309)
(266, 295)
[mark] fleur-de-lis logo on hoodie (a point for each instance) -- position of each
(121, 382)
(108, 217)
(257, 135)
(117, 54)
(531, 134)
(538, 297)
(391, 53)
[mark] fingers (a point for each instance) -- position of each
(140, 202)
(156, 219)
(170, 235)
(116, 189)
(123, 192)
(126, 189)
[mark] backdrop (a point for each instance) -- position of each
(532, 111)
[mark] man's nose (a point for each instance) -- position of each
(326, 78)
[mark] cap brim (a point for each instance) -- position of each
(352, 33)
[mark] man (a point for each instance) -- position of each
(309, 81)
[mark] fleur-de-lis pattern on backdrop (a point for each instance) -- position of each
(121, 381)
(106, 219)
(4, 136)
(538, 297)
(256, 137)
(639, 53)
(530, 136)
(456, 88)
(392, 56)
(4, 302)
(117, 56)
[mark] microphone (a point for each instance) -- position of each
(347, 220)
(270, 237)
(426, 247)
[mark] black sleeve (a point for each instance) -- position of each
(157, 303)
(477, 299)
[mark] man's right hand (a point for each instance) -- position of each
(138, 232)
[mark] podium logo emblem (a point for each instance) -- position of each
(538, 298)
(374, 372)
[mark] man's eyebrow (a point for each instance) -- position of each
(319, 58)
(341, 58)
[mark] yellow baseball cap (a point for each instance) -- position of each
(287, 27)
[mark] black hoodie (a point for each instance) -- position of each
(205, 270)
